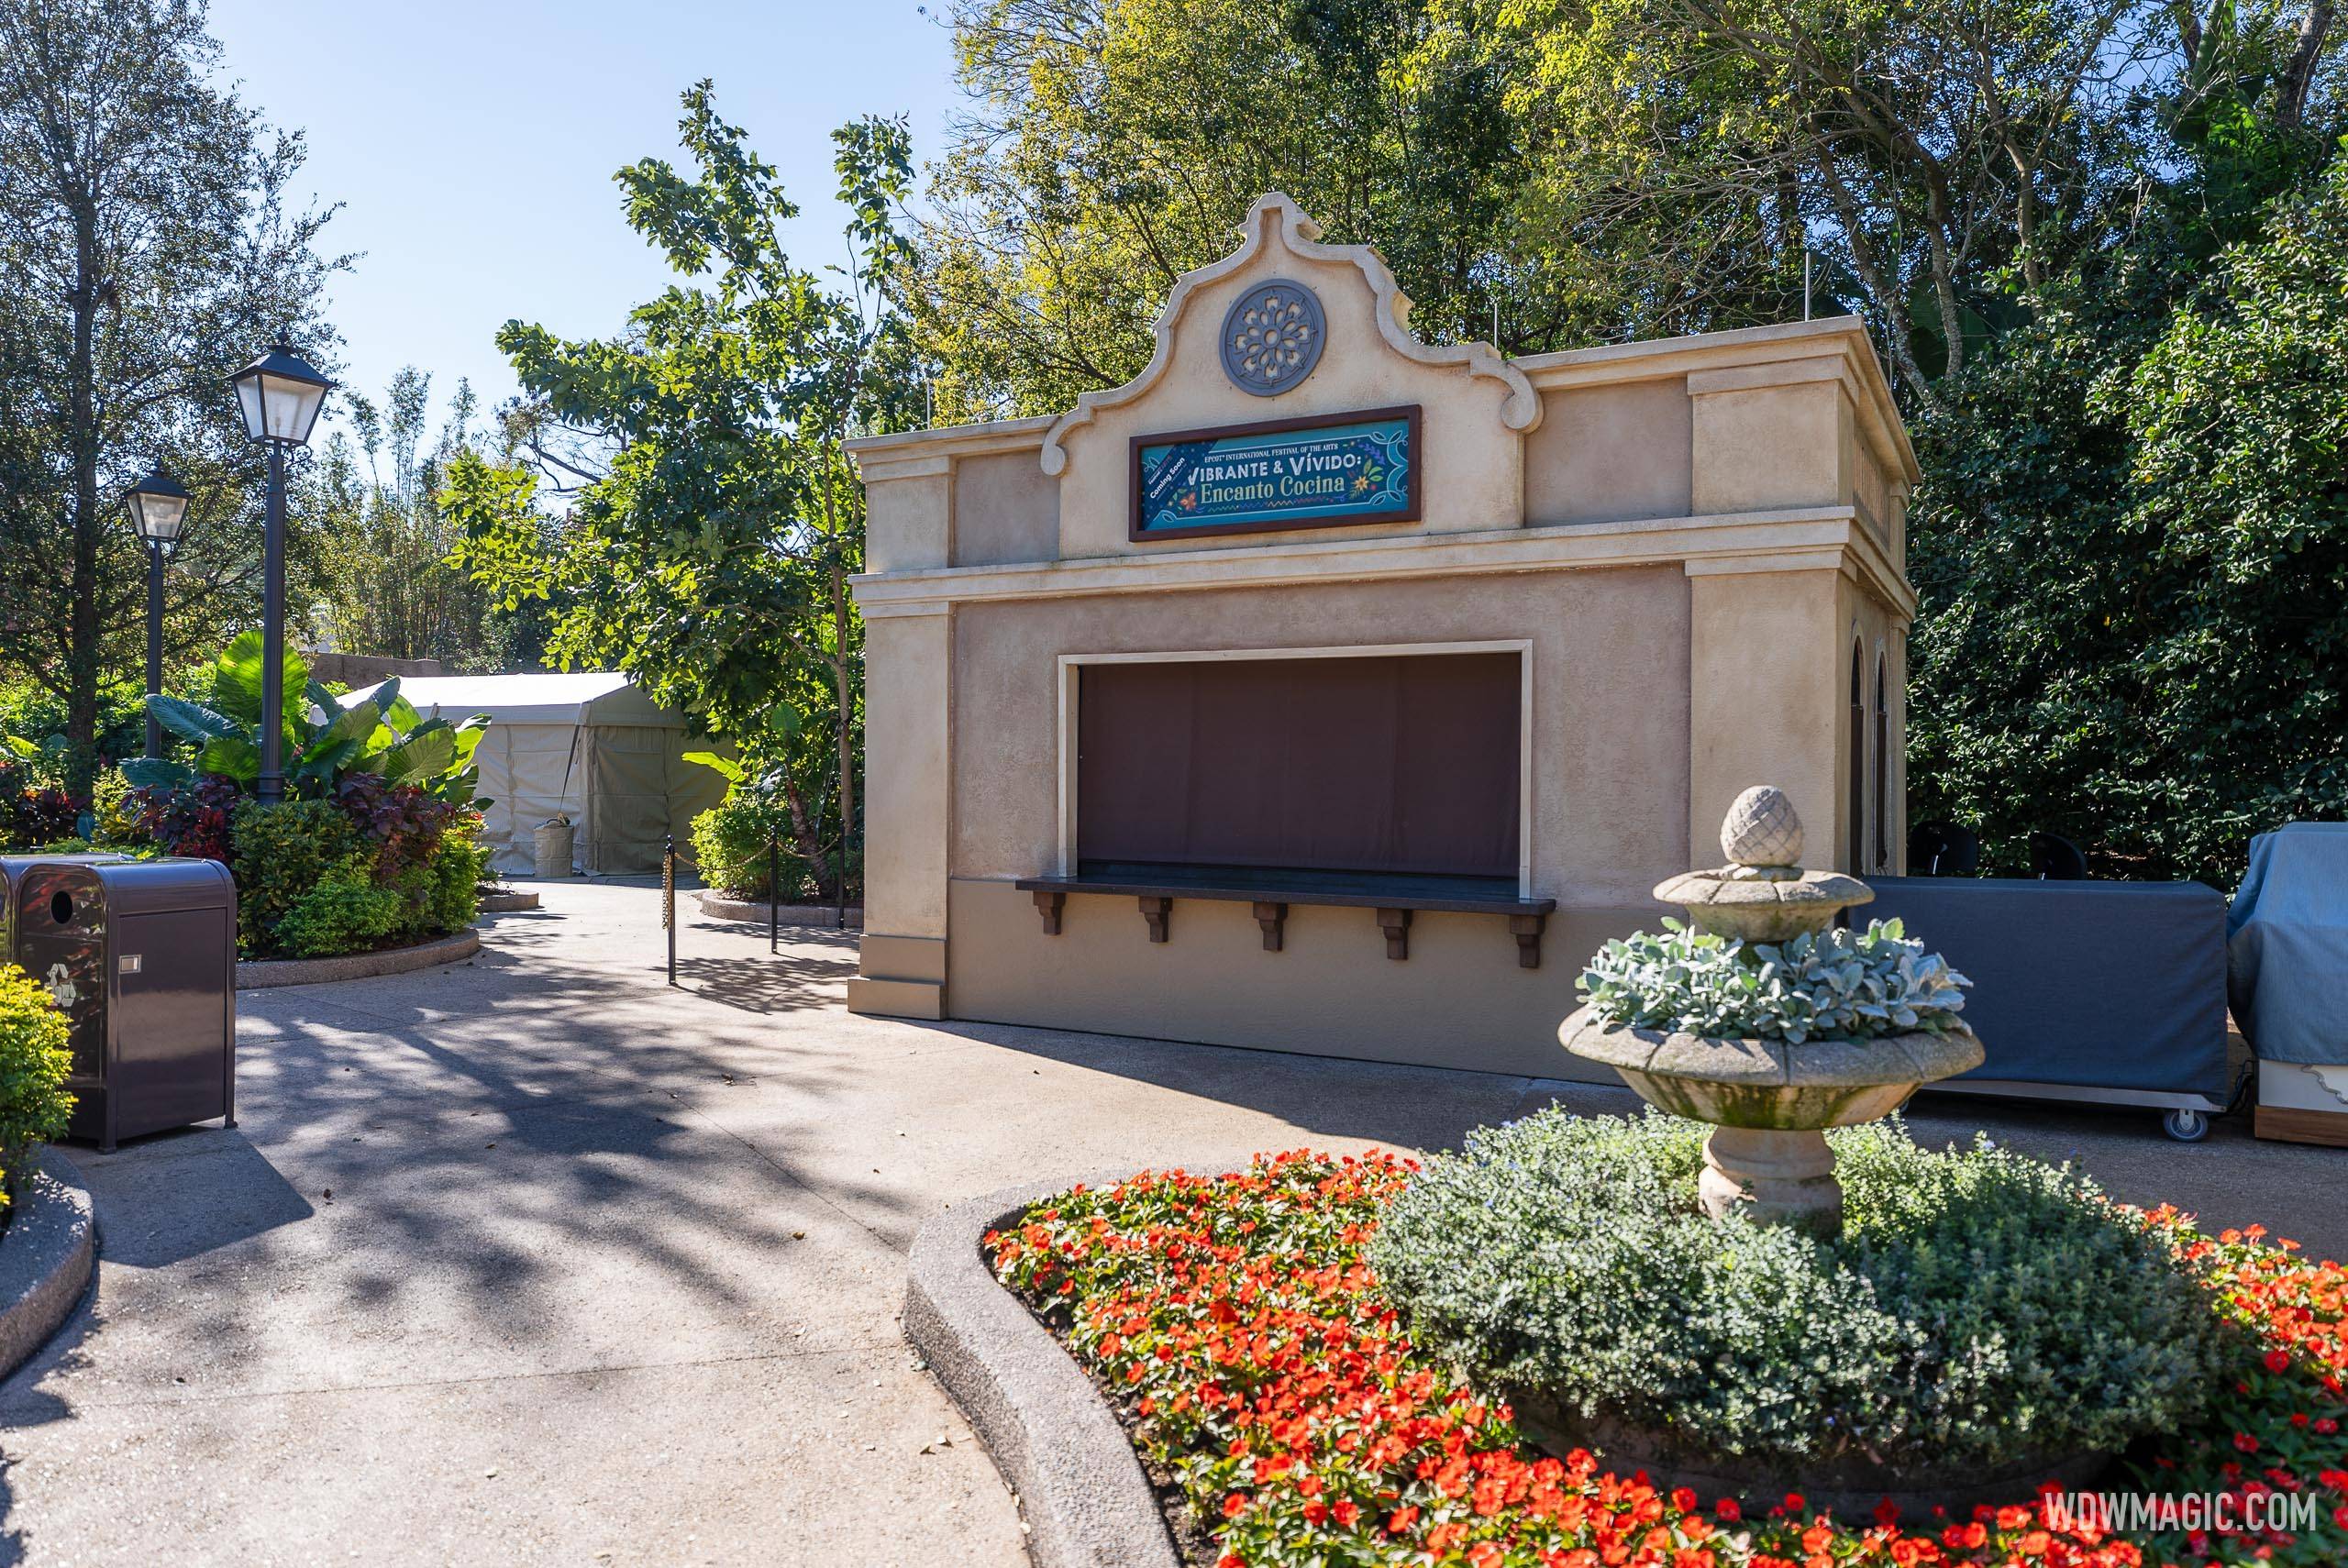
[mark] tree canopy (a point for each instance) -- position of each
(709, 556)
(148, 248)
(2065, 223)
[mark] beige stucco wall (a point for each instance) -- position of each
(908, 516)
(1472, 461)
(1610, 703)
(1767, 701)
(1458, 1000)
(1763, 443)
(1689, 534)
(1607, 453)
(1005, 509)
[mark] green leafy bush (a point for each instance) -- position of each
(32, 812)
(441, 893)
(1978, 1308)
(1834, 985)
(283, 853)
(345, 913)
(34, 1062)
(730, 846)
(115, 811)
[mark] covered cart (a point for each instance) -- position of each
(2287, 978)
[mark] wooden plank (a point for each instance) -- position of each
(2289, 1124)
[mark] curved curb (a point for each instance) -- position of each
(1085, 1499)
(262, 974)
(754, 912)
(47, 1255)
(506, 903)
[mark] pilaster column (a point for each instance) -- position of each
(908, 806)
(1766, 699)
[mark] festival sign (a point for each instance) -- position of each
(1327, 472)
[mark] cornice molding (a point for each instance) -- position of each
(1802, 539)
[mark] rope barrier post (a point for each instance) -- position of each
(774, 895)
(669, 900)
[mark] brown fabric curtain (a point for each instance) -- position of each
(1375, 764)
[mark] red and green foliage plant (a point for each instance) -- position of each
(33, 814)
(1271, 1377)
(193, 819)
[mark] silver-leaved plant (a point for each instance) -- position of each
(1834, 985)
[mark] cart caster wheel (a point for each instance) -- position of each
(2186, 1126)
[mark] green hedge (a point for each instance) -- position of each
(34, 1062)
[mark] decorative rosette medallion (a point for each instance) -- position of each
(1272, 337)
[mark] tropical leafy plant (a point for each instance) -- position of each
(321, 742)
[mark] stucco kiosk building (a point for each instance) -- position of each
(1323, 689)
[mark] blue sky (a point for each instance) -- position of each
(473, 144)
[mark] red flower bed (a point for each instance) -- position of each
(1269, 1376)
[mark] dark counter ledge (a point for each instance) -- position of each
(1394, 898)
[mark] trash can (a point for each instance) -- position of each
(142, 957)
(555, 839)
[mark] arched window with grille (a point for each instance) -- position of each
(1882, 766)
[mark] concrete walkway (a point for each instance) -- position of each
(533, 1260)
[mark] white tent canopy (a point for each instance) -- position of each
(587, 745)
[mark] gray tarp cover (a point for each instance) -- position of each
(2097, 985)
(2286, 968)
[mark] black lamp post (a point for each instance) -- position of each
(279, 395)
(158, 511)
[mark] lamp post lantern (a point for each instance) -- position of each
(279, 395)
(158, 512)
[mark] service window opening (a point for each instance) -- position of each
(1361, 771)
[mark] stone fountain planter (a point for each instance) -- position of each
(1769, 1102)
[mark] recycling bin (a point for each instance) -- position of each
(142, 957)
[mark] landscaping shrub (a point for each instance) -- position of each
(34, 1062)
(1269, 1384)
(730, 846)
(1979, 1309)
(452, 880)
(404, 824)
(347, 912)
(373, 867)
(115, 816)
(284, 853)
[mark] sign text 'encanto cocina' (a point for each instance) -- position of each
(1326, 471)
